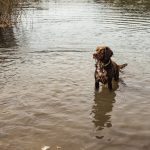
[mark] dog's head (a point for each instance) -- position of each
(103, 53)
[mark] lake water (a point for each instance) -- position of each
(47, 93)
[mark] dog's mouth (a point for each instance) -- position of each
(97, 56)
(94, 56)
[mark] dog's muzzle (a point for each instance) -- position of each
(95, 55)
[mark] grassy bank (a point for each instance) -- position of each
(10, 11)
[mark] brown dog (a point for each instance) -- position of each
(106, 69)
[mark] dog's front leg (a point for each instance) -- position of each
(96, 84)
(110, 83)
(96, 80)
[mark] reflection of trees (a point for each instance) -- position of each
(8, 12)
(7, 38)
(11, 10)
(129, 4)
(102, 108)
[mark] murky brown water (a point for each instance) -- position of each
(47, 93)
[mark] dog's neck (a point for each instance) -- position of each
(104, 64)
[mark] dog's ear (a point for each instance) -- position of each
(108, 53)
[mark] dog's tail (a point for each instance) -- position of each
(122, 66)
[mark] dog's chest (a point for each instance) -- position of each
(101, 73)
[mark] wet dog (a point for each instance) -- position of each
(106, 69)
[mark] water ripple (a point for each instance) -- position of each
(47, 77)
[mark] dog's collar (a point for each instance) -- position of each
(105, 65)
(102, 64)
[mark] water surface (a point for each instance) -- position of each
(47, 93)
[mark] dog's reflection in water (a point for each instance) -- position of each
(102, 108)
